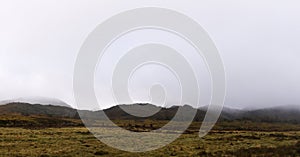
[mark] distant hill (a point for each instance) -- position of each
(115, 113)
(285, 114)
(36, 100)
(37, 116)
(26, 109)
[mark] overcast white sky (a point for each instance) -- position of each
(258, 41)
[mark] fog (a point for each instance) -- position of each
(257, 40)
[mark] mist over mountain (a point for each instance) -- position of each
(36, 100)
(288, 113)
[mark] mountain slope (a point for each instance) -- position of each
(36, 100)
(115, 113)
(27, 109)
(276, 114)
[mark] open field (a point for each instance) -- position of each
(37, 130)
(77, 141)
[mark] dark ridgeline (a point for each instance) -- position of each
(25, 114)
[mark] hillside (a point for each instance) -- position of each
(116, 113)
(26, 109)
(287, 114)
(37, 116)
(37, 111)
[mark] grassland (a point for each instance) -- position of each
(36, 130)
(78, 141)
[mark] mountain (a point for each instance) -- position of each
(227, 112)
(287, 114)
(26, 109)
(37, 100)
(116, 112)
(37, 116)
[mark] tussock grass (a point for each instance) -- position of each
(77, 141)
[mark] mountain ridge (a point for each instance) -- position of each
(274, 114)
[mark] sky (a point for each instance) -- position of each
(257, 40)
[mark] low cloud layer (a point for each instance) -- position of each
(258, 42)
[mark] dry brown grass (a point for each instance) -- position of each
(77, 141)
